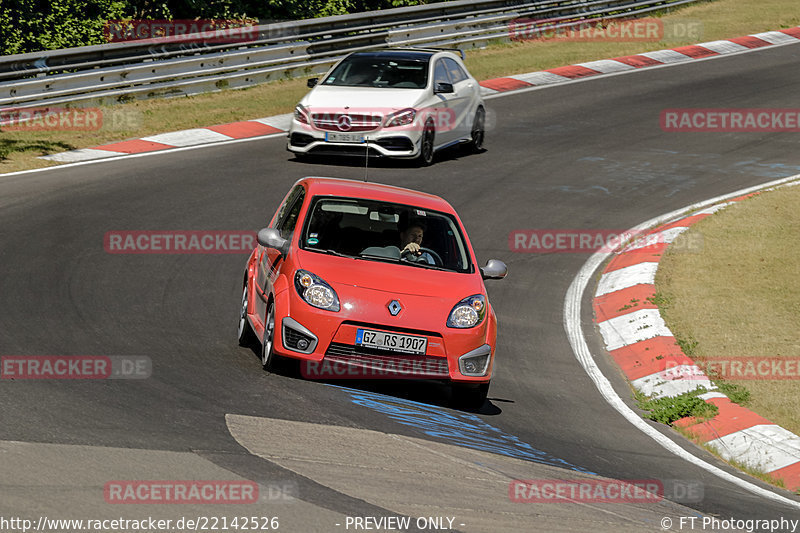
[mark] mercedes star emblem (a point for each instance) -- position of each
(345, 122)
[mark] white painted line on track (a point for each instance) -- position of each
(82, 154)
(631, 328)
(143, 154)
(713, 209)
(775, 37)
(641, 274)
(661, 387)
(607, 65)
(667, 236)
(711, 395)
(667, 56)
(767, 447)
(577, 340)
(281, 122)
(188, 137)
(689, 61)
(723, 47)
(540, 78)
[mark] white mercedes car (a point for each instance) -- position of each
(405, 103)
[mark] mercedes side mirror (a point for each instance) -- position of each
(443, 88)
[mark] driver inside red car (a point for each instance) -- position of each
(410, 242)
(410, 248)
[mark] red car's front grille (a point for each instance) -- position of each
(379, 363)
(348, 350)
(345, 122)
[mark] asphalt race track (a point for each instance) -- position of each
(582, 155)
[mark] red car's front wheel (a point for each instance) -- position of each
(469, 396)
(246, 336)
(267, 353)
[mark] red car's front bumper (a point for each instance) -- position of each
(321, 337)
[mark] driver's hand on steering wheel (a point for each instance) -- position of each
(411, 248)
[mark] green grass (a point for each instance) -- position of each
(718, 19)
(739, 297)
(668, 410)
(735, 392)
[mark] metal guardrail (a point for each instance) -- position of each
(114, 72)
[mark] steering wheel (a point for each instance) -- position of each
(408, 256)
(436, 257)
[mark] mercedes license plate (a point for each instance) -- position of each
(335, 137)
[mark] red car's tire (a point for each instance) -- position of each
(469, 396)
(246, 335)
(267, 353)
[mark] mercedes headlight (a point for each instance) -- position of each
(401, 118)
(301, 114)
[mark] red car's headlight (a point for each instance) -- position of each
(315, 291)
(467, 313)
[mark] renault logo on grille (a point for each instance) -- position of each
(345, 122)
(394, 307)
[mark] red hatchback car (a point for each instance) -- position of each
(378, 280)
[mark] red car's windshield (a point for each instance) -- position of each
(381, 231)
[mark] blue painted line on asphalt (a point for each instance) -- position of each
(460, 429)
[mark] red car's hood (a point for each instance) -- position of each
(390, 277)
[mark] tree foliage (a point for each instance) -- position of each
(32, 25)
(36, 25)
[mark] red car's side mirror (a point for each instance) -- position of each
(271, 238)
(494, 269)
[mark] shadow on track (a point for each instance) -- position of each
(430, 392)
